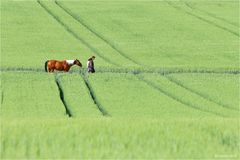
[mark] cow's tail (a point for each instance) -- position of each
(46, 66)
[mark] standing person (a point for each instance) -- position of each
(90, 65)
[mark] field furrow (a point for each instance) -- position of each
(93, 96)
(110, 90)
(2, 96)
(36, 95)
(78, 18)
(174, 97)
(233, 25)
(79, 31)
(49, 41)
(181, 8)
(173, 40)
(197, 93)
(166, 84)
(74, 34)
(61, 94)
(187, 97)
(222, 89)
(222, 10)
(163, 71)
(77, 96)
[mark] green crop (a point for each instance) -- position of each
(77, 96)
(139, 100)
(123, 138)
(155, 33)
(166, 84)
(188, 97)
(219, 88)
(30, 95)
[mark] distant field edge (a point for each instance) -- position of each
(136, 70)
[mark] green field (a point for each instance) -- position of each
(166, 84)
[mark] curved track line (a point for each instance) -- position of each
(93, 96)
(61, 94)
(210, 14)
(75, 35)
(198, 93)
(152, 85)
(204, 20)
(79, 20)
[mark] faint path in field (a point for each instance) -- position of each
(71, 32)
(210, 14)
(61, 94)
(154, 86)
(21, 69)
(127, 71)
(198, 93)
(79, 20)
(2, 98)
(163, 71)
(3, 144)
(203, 19)
(93, 96)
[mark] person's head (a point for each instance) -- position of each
(77, 62)
(93, 57)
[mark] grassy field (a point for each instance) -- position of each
(166, 84)
(211, 87)
(157, 34)
(120, 138)
(30, 95)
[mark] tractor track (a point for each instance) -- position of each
(163, 71)
(61, 94)
(2, 98)
(152, 85)
(211, 15)
(203, 19)
(80, 21)
(93, 96)
(126, 71)
(71, 32)
(198, 93)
